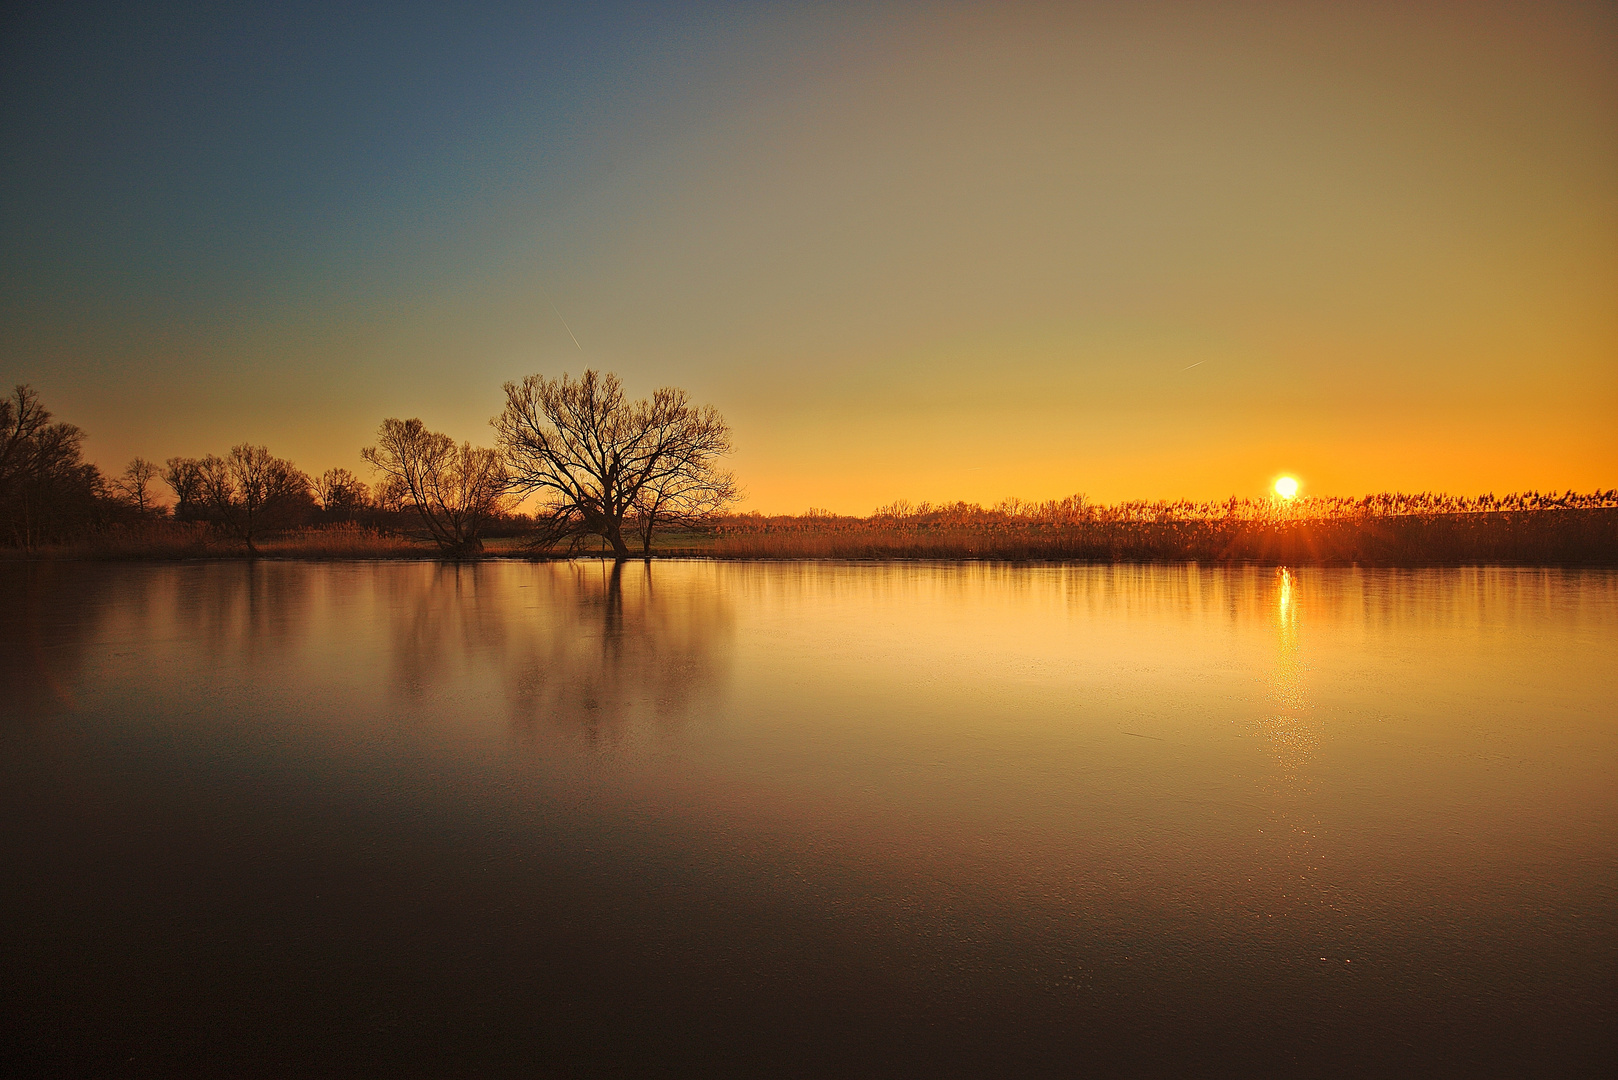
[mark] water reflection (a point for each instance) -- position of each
(48, 615)
(614, 647)
(1291, 729)
(1292, 733)
(1035, 811)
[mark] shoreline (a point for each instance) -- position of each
(1574, 537)
(50, 558)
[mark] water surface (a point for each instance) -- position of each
(807, 819)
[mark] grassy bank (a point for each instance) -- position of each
(1523, 537)
(1565, 535)
(172, 540)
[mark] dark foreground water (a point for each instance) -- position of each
(807, 819)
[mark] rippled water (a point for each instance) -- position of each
(807, 819)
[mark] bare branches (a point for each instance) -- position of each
(596, 460)
(134, 486)
(454, 489)
(341, 493)
(247, 493)
(45, 486)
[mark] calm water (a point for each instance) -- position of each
(807, 819)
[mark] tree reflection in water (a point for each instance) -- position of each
(582, 648)
(51, 611)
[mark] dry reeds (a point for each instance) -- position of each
(1396, 529)
(346, 541)
(168, 539)
(1393, 529)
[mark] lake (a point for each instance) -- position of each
(818, 819)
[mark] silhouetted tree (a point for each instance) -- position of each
(455, 489)
(341, 493)
(134, 486)
(47, 491)
(389, 495)
(248, 493)
(595, 458)
(683, 497)
(184, 478)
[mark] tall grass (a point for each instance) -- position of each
(346, 541)
(167, 539)
(1395, 529)
(1400, 529)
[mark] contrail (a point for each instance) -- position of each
(568, 328)
(559, 318)
(1197, 364)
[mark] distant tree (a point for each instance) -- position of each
(341, 493)
(389, 495)
(47, 491)
(184, 478)
(134, 486)
(248, 493)
(597, 459)
(455, 489)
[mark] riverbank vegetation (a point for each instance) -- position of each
(601, 470)
(1531, 528)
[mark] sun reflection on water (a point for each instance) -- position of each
(1290, 730)
(1292, 733)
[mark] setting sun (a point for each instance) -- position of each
(1286, 487)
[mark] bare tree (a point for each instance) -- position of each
(247, 494)
(47, 491)
(134, 486)
(184, 477)
(683, 497)
(597, 459)
(341, 493)
(455, 489)
(389, 494)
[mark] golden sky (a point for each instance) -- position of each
(929, 251)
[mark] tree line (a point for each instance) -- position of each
(589, 461)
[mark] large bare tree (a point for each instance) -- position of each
(455, 489)
(597, 460)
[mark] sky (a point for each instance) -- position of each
(920, 251)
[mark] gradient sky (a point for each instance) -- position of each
(928, 251)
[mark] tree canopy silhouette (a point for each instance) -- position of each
(47, 491)
(455, 489)
(247, 493)
(134, 487)
(597, 460)
(341, 494)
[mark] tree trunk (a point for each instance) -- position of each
(646, 537)
(615, 537)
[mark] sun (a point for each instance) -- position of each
(1286, 487)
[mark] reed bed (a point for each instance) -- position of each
(1391, 529)
(1381, 530)
(346, 541)
(1551, 538)
(173, 540)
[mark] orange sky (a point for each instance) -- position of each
(931, 252)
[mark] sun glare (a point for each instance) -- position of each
(1286, 487)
